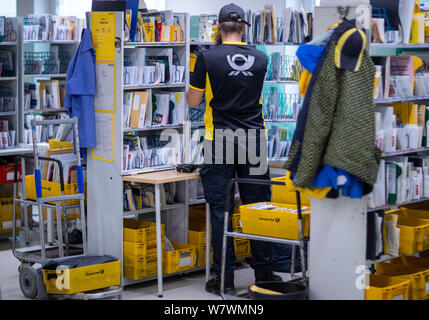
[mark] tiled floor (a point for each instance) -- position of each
(187, 287)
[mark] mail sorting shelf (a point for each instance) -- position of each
(300, 243)
(156, 179)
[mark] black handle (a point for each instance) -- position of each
(60, 167)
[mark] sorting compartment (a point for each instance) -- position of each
(181, 259)
(197, 238)
(140, 267)
(281, 194)
(273, 223)
(383, 287)
(416, 276)
(141, 231)
(141, 249)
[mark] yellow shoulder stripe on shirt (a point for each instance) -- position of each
(240, 43)
(195, 88)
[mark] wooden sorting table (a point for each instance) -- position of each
(168, 176)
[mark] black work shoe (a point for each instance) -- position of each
(213, 286)
(269, 278)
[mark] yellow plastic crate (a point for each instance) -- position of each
(197, 235)
(274, 223)
(414, 235)
(55, 145)
(242, 248)
(417, 277)
(387, 288)
(140, 267)
(141, 249)
(51, 189)
(415, 213)
(70, 281)
(282, 195)
(6, 215)
(201, 256)
(181, 259)
(416, 262)
(70, 216)
(236, 220)
(141, 231)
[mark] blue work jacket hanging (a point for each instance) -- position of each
(80, 90)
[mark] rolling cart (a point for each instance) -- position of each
(295, 243)
(30, 276)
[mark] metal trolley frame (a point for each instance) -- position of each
(295, 243)
(30, 280)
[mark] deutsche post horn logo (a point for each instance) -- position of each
(248, 63)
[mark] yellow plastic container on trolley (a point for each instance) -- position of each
(181, 259)
(141, 231)
(387, 288)
(274, 223)
(418, 277)
(70, 281)
(51, 189)
(140, 267)
(282, 195)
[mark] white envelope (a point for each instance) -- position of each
(403, 140)
(413, 134)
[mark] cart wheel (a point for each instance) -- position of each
(28, 281)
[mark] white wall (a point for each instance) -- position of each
(8, 8)
(196, 7)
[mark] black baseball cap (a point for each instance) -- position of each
(349, 49)
(225, 14)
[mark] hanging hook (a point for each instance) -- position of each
(343, 11)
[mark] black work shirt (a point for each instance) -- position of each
(232, 75)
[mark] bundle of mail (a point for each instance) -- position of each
(292, 26)
(402, 126)
(153, 66)
(282, 67)
(400, 180)
(400, 77)
(278, 105)
(156, 26)
(46, 27)
(279, 139)
(45, 133)
(151, 151)
(6, 64)
(270, 206)
(144, 109)
(137, 197)
(44, 94)
(8, 29)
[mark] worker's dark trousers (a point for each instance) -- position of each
(215, 178)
